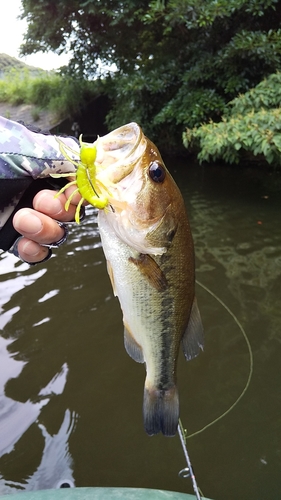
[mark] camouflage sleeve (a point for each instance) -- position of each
(26, 160)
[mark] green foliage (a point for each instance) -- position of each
(60, 94)
(252, 125)
(267, 95)
(178, 62)
(14, 86)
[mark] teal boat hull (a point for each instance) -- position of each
(102, 494)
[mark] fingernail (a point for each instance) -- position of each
(31, 248)
(26, 222)
(48, 204)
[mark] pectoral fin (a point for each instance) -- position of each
(193, 339)
(132, 347)
(152, 272)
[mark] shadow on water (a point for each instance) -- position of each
(71, 398)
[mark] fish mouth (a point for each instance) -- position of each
(118, 152)
(122, 141)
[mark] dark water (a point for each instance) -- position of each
(71, 398)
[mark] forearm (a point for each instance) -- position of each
(26, 160)
(25, 153)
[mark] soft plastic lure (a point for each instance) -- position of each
(88, 186)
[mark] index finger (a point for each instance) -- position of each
(46, 203)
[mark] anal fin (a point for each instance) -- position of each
(132, 347)
(193, 338)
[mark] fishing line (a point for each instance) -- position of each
(250, 363)
(187, 471)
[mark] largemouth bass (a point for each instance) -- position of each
(148, 246)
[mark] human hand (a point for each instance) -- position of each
(38, 226)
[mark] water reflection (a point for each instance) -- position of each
(35, 425)
(17, 417)
(244, 240)
(70, 397)
(56, 466)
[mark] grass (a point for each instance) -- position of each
(50, 91)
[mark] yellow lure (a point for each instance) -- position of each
(87, 185)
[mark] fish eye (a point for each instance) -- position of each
(157, 171)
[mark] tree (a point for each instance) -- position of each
(251, 127)
(92, 30)
(178, 62)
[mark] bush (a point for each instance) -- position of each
(251, 124)
(52, 91)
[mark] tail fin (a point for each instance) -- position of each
(161, 411)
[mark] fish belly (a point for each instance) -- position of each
(149, 320)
